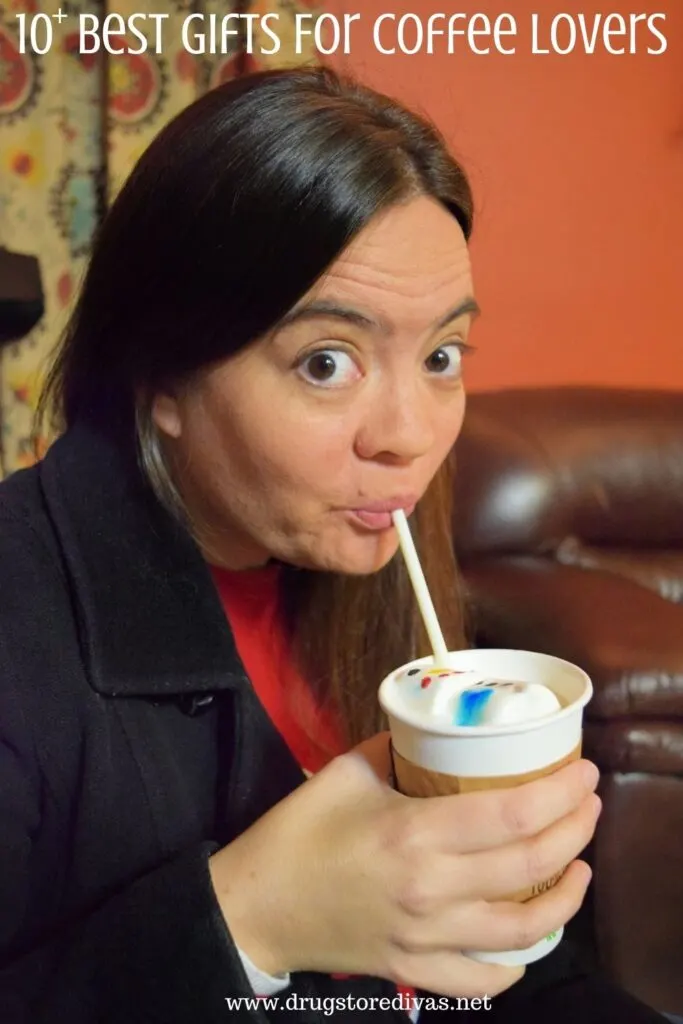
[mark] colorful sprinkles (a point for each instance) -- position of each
(436, 673)
(470, 707)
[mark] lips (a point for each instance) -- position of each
(376, 515)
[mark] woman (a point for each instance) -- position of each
(201, 593)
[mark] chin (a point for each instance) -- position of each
(360, 556)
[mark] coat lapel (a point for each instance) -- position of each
(152, 625)
(150, 620)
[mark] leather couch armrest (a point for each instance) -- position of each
(628, 638)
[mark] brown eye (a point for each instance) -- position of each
(329, 367)
(322, 366)
(438, 361)
(445, 361)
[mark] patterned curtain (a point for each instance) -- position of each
(71, 127)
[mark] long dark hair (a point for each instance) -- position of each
(235, 210)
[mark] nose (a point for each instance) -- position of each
(398, 425)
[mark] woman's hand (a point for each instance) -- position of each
(347, 875)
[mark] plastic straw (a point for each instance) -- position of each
(420, 586)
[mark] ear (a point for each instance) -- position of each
(166, 415)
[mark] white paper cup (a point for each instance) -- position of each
(450, 759)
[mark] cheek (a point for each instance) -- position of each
(310, 452)
(291, 453)
(448, 426)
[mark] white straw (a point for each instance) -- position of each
(420, 586)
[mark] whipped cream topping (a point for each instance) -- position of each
(447, 696)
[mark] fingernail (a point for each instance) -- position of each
(597, 804)
(591, 775)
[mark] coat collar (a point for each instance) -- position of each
(150, 620)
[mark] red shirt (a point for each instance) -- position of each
(250, 601)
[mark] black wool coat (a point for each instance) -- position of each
(132, 746)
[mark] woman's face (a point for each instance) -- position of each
(297, 447)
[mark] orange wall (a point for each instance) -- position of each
(577, 166)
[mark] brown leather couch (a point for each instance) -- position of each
(569, 530)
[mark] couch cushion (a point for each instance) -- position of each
(628, 638)
(535, 466)
(661, 571)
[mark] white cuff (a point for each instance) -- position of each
(263, 984)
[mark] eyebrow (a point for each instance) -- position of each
(337, 311)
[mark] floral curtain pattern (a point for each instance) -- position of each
(72, 126)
